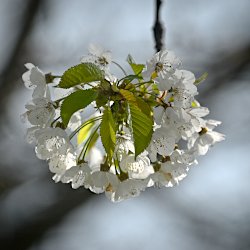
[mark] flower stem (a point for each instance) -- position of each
(59, 100)
(86, 145)
(147, 93)
(142, 83)
(83, 125)
(121, 68)
(55, 121)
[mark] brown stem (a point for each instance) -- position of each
(158, 28)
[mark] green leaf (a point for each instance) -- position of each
(84, 133)
(142, 120)
(142, 126)
(101, 99)
(76, 101)
(130, 59)
(108, 133)
(202, 78)
(137, 68)
(144, 107)
(137, 101)
(129, 96)
(81, 73)
(105, 85)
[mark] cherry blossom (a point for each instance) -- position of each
(108, 159)
(34, 79)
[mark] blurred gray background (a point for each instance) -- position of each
(211, 207)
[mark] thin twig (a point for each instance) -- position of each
(158, 28)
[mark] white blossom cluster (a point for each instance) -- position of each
(180, 133)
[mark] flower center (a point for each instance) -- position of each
(102, 60)
(203, 131)
(158, 67)
(136, 167)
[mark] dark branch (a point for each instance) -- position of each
(9, 74)
(158, 28)
(33, 231)
(227, 69)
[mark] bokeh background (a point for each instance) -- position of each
(210, 209)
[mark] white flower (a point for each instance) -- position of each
(171, 116)
(41, 112)
(124, 145)
(198, 111)
(211, 124)
(98, 56)
(184, 90)
(102, 181)
(187, 130)
(169, 174)
(139, 168)
(31, 134)
(50, 142)
(162, 143)
(186, 81)
(162, 65)
(78, 176)
(34, 79)
(183, 156)
(200, 142)
(166, 83)
(195, 123)
(159, 113)
(60, 162)
(126, 189)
